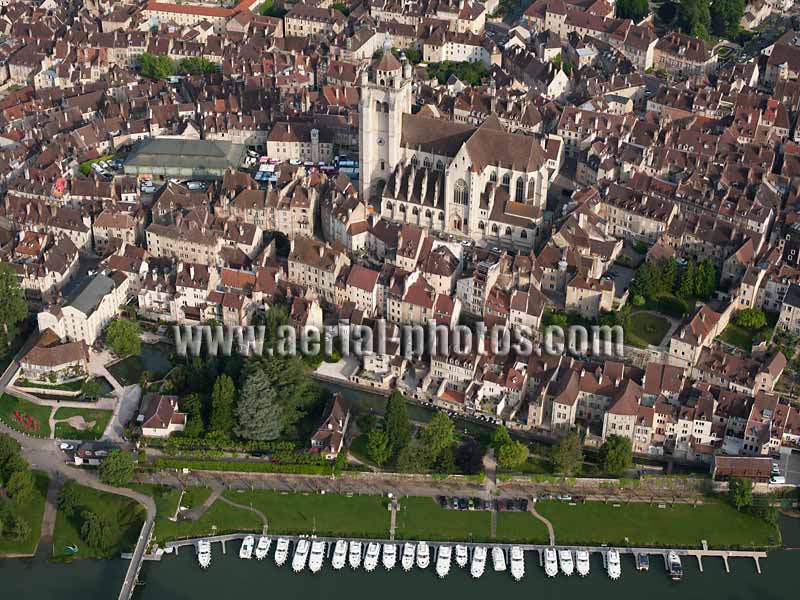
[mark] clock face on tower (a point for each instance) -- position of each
(380, 141)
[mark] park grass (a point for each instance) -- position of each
(521, 528)
(9, 404)
(86, 166)
(70, 386)
(32, 511)
(324, 514)
(65, 431)
(738, 336)
(641, 524)
(125, 512)
(423, 519)
(645, 328)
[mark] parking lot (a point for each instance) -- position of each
(790, 467)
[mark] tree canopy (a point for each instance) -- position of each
(751, 318)
(694, 17)
(740, 492)
(117, 468)
(567, 454)
(616, 454)
(378, 447)
(123, 337)
(13, 307)
(223, 404)
(156, 66)
(97, 530)
(396, 423)
(512, 455)
(258, 414)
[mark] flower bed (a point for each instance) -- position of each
(25, 417)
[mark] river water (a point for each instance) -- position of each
(179, 578)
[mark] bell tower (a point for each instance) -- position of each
(385, 97)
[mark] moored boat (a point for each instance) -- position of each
(372, 556)
(613, 565)
(354, 556)
(462, 556)
(675, 566)
(300, 555)
(204, 553)
(263, 547)
(389, 558)
(443, 558)
(566, 562)
(550, 562)
(498, 559)
(478, 561)
(339, 555)
(409, 553)
(281, 552)
(517, 563)
(317, 556)
(423, 555)
(642, 562)
(582, 562)
(246, 550)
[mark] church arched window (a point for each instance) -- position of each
(523, 234)
(414, 161)
(494, 228)
(428, 214)
(426, 163)
(388, 206)
(481, 225)
(506, 181)
(460, 192)
(415, 211)
(508, 231)
(493, 177)
(531, 186)
(402, 207)
(439, 165)
(520, 195)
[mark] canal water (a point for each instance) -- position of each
(179, 578)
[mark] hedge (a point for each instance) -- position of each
(244, 467)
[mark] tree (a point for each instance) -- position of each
(18, 529)
(396, 423)
(705, 279)
(97, 530)
(413, 459)
(123, 337)
(258, 414)
(341, 7)
(378, 447)
(616, 454)
(91, 388)
(686, 288)
(669, 275)
(156, 66)
(512, 455)
(192, 405)
(196, 66)
(726, 16)
(439, 434)
(632, 9)
(117, 468)
(740, 492)
(500, 438)
(20, 486)
(751, 318)
(694, 17)
(567, 454)
(69, 499)
(646, 282)
(13, 308)
(8, 447)
(14, 464)
(223, 403)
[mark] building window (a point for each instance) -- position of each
(507, 181)
(426, 163)
(520, 189)
(414, 161)
(460, 192)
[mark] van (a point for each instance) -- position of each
(779, 479)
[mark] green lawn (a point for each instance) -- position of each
(520, 527)
(647, 525)
(34, 417)
(424, 519)
(323, 514)
(738, 336)
(225, 518)
(86, 166)
(125, 512)
(70, 386)
(32, 511)
(646, 328)
(99, 417)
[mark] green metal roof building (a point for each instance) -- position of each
(176, 158)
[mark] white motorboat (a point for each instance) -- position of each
(675, 566)
(550, 562)
(462, 556)
(281, 552)
(339, 555)
(317, 556)
(566, 562)
(300, 555)
(354, 556)
(263, 547)
(372, 556)
(443, 559)
(498, 559)
(478, 561)
(246, 551)
(582, 562)
(409, 553)
(204, 553)
(517, 563)
(389, 556)
(613, 565)
(423, 555)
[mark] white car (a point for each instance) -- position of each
(66, 446)
(777, 479)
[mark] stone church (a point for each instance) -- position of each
(472, 182)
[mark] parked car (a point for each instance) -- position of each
(777, 479)
(65, 446)
(523, 504)
(442, 501)
(463, 504)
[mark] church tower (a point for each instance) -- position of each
(385, 97)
